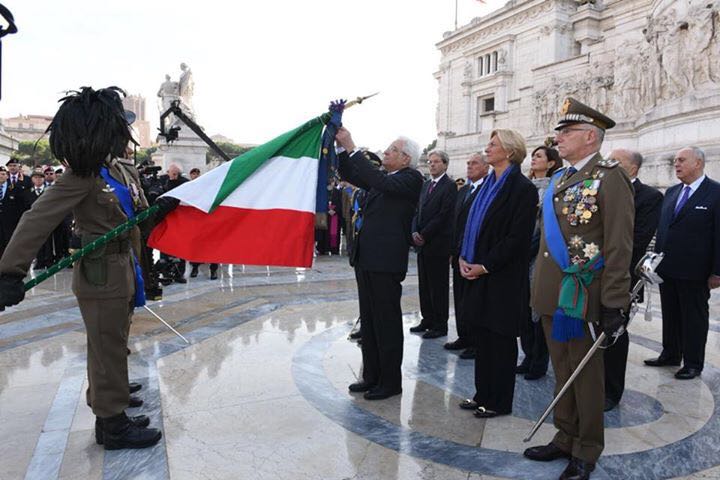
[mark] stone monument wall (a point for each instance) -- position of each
(651, 65)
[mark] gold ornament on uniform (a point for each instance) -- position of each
(590, 250)
(565, 106)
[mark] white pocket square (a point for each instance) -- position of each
(700, 207)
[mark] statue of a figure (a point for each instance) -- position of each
(169, 91)
(186, 89)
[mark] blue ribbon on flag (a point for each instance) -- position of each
(328, 157)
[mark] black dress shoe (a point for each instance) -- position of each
(180, 280)
(135, 402)
(468, 354)
(468, 404)
(141, 421)
(458, 344)
(419, 328)
(662, 362)
(545, 453)
(434, 334)
(355, 335)
(213, 276)
(119, 432)
(361, 387)
(686, 373)
(577, 470)
(381, 393)
(533, 375)
(522, 369)
(134, 387)
(610, 405)
(194, 272)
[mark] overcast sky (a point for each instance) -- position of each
(260, 67)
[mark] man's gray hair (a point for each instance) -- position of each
(699, 153)
(411, 149)
(443, 156)
(599, 133)
(636, 158)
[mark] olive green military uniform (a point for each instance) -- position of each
(103, 281)
(594, 208)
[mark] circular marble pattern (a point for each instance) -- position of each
(674, 451)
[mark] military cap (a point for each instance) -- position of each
(573, 112)
(37, 174)
(3, 169)
(11, 161)
(49, 169)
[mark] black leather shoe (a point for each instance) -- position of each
(577, 470)
(662, 362)
(521, 369)
(434, 334)
(419, 328)
(135, 402)
(213, 276)
(194, 272)
(533, 375)
(458, 344)
(468, 354)
(134, 387)
(545, 453)
(361, 387)
(381, 394)
(610, 405)
(139, 421)
(180, 280)
(355, 335)
(686, 373)
(119, 432)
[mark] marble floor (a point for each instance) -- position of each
(261, 393)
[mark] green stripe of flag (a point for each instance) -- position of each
(303, 141)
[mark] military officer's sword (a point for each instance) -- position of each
(645, 270)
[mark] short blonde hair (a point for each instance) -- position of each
(513, 143)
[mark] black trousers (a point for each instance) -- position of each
(463, 330)
(381, 327)
(213, 266)
(434, 286)
(532, 341)
(495, 361)
(685, 315)
(615, 359)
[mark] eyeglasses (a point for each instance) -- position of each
(566, 131)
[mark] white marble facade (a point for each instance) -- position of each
(651, 65)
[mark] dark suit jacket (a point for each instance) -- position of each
(648, 203)
(29, 197)
(499, 300)
(690, 241)
(384, 239)
(460, 214)
(433, 219)
(12, 206)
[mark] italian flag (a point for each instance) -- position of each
(258, 209)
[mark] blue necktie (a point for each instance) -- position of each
(683, 200)
(571, 171)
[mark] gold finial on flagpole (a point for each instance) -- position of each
(358, 100)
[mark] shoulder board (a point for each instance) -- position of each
(608, 163)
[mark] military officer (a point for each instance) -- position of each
(90, 133)
(585, 252)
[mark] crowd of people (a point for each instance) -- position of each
(548, 257)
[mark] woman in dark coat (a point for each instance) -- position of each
(495, 259)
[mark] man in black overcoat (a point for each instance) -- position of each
(648, 201)
(381, 256)
(432, 237)
(689, 236)
(477, 170)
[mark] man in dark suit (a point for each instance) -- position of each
(12, 204)
(381, 256)
(648, 201)
(432, 235)
(44, 256)
(689, 236)
(477, 169)
(15, 175)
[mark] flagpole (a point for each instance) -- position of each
(456, 13)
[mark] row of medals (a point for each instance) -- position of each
(581, 200)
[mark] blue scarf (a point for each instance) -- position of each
(485, 197)
(123, 195)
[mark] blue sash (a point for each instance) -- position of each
(569, 318)
(123, 195)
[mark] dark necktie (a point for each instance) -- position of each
(14, 179)
(683, 200)
(469, 193)
(37, 192)
(432, 187)
(571, 171)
